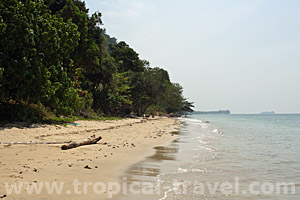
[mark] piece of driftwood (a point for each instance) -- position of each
(32, 143)
(91, 140)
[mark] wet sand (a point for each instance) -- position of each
(149, 169)
(124, 143)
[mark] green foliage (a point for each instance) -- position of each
(127, 58)
(11, 111)
(148, 88)
(97, 118)
(32, 50)
(108, 40)
(54, 56)
(119, 94)
(174, 100)
(58, 120)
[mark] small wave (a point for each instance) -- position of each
(204, 126)
(202, 142)
(209, 149)
(166, 194)
(163, 176)
(217, 131)
(177, 186)
(191, 170)
(191, 120)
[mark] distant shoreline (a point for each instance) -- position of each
(227, 112)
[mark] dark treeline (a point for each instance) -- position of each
(55, 57)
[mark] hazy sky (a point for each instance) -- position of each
(242, 55)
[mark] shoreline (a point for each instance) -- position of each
(124, 142)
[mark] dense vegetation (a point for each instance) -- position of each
(56, 58)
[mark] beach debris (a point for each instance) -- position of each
(74, 124)
(133, 145)
(87, 167)
(91, 140)
(2, 196)
(8, 144)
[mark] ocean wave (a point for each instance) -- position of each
(191, 170)
(176, 186)
(217, 131)
(191, 120)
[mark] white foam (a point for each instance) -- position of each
(209, 149)
(166, 194)
(191, 120)
(204, 126)
(202, 142)
(217, 131)
(190, 170)
(176, 187)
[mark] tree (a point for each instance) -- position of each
(127, 58)
(119, 95)
(174, 100)
(108, 40)
(34, 45)
(90, 58)
(55, 55)
(148, 88)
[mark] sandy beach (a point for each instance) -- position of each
(124, 142)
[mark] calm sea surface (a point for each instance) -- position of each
(225, 157)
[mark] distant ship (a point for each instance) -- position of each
(227, 112)
(268, 113)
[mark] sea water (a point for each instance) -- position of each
(225, 157)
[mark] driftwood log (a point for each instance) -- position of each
(91, 140)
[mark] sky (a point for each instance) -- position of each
(241, 55)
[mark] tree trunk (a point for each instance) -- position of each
(91, 140)
(147, 106)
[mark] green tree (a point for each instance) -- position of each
(119, 95)
(108, 40)
(127, 58)
(91, 58)
(34, 45)
(54, 54)
(148, 88)
(174, 102)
